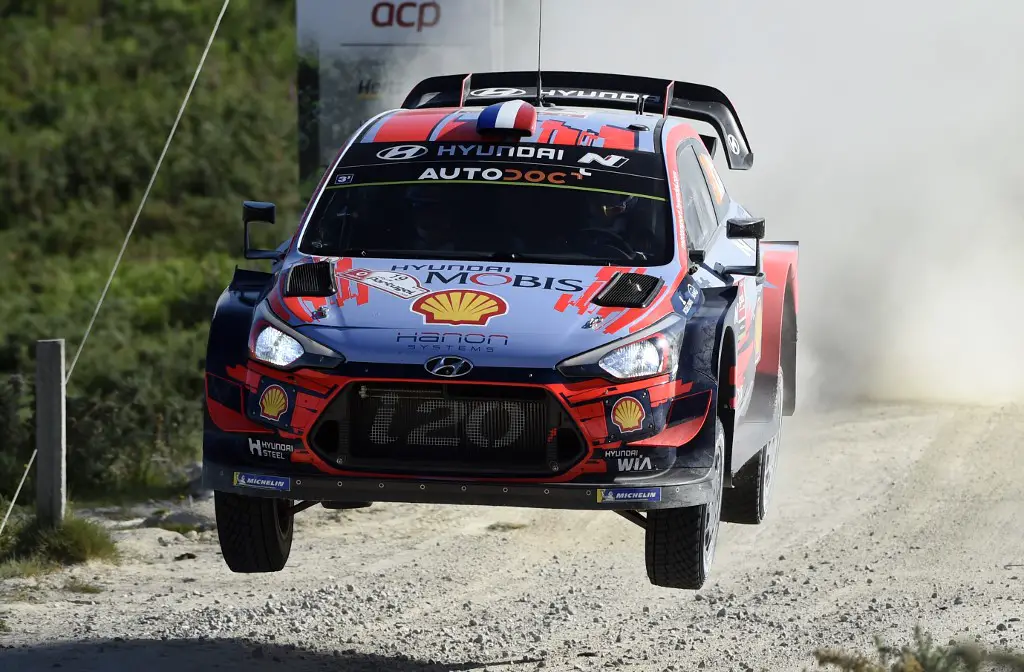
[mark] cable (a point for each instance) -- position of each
(124, 245)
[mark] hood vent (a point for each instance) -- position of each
(629, 290)
(312, 279)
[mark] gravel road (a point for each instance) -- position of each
(884, 517)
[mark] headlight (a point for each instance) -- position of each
(640, 359)
(650, 352)
(276, 347)
(273, 342)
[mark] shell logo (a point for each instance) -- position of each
(628, 414)
(457, 306)
(273, 403)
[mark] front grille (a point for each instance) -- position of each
(447, 428)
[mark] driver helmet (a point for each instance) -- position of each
(430, 216)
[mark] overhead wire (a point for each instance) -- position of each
(124, 244)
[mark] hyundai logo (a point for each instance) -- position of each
(497, 92)
(448, 367)
(402, 152)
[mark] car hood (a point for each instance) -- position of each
(521, 315)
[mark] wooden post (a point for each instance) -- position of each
(51, 468)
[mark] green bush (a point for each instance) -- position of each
(922, 655)
(88, 92)
(26, 548)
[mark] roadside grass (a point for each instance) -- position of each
(922, 655)
(82, 587)
(27, 549)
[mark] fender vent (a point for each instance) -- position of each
(629, 290)
(312, 279)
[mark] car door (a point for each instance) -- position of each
(708, 206)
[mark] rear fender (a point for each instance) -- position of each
(779, 261)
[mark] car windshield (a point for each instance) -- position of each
(438, 201)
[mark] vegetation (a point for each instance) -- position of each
(922, 656)
(82, 587)
(89, 90)
(27, 549)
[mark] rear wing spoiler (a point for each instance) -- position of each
(590, 89)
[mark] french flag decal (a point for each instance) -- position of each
(516, 117)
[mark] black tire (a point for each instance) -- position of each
(255, 532)
(747, 501)
(680, 543)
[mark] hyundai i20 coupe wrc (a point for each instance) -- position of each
(518, 289)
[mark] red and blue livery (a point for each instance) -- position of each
(510, 293)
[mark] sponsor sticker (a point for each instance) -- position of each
(260, 482)
(271, 449)
(347, 178)
(499, 151)
(402, 285)
(634, 464)
(608, 161)
(436, 341)
(273, 403)
(456, 306)
(628, 415)
(628, 495)
(469, 173)
(418, 15)
(497, 279)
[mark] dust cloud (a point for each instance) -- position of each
(887, 140)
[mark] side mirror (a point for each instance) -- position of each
(263, 213)
(745, 228)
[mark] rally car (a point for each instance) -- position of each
(519, 289)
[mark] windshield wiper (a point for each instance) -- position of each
(471, 255)
(527, 257)
(407, 254)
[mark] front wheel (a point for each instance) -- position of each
(255, 532)
(680, 543)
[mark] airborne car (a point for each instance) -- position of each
(520, 289)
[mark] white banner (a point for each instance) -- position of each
(344, 23)
(363, 57)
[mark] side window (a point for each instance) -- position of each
(714, 181)
(698, 207)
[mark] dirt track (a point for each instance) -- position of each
(884, 517)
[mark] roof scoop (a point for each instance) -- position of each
(514, 117)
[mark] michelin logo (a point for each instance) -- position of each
(628, 495)
(279, 483)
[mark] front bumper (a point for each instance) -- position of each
(679, 488)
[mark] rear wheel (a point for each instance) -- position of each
(255, 532)
(680, 543)
(747, 501)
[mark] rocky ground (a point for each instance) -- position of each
(884, 518)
